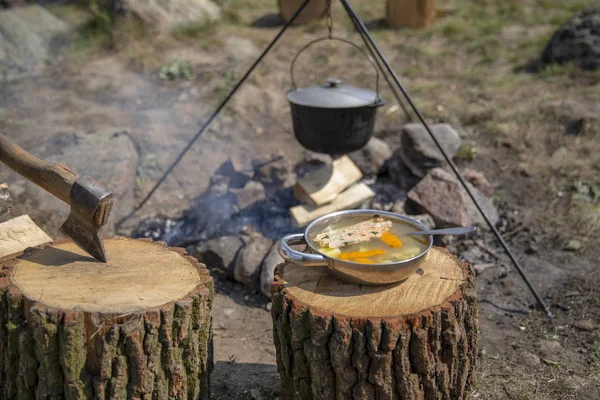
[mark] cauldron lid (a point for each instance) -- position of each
(333, 94)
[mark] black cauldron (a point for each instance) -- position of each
(333, 118)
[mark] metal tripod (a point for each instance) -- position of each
(395, 85)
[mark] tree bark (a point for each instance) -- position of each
(159, 352)
(427, 353)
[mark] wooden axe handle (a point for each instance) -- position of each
(54, 178)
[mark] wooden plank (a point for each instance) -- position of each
(20, 233)
(351, 198)
(323, 185)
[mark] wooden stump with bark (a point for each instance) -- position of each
(314, 11)
(412, 340)
(413, 14)
(137, 327)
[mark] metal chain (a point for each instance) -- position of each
(329, 18)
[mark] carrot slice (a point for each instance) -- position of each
(391, 240)
(361, 254)
(364, 261)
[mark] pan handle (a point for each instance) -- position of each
(294, 86)
(298, 257)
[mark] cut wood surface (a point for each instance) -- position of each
(136, 327)
(410, 13)
(354, 196)
(412, 340)
(19, 233)
(325, 184)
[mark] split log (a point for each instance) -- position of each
(356, 195)
(323, 185)
(20, 233)
(137, 327)
(412, 340)
(413, 14)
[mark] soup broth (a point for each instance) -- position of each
(370, 240)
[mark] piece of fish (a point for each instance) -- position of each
(358, 233)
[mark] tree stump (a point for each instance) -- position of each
(413, 14)
(137, 327)
(412, 340)
(314, 11)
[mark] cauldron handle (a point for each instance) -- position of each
(377, 99)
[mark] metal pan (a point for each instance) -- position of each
(366, 274)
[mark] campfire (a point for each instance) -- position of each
(250, 204)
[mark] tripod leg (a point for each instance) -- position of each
(364, 32)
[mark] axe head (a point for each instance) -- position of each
(90, 208)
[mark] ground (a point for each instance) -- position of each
(535, 135)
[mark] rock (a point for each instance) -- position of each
(585, 325)
(164, 15)
(441, 195)
(219, 253)
(577, 41)
(479, 181)
(250, 194)
(474, 255)
(486, 204)
(573, 245)
(425, 219)
(6, 203)
(387, 194)
(108, 156)
(239, 169)
(399, 172)
(371, 158)
(249, 261)
(267, 273)
(277, 172)
(418, 150)
(240, 49)
(481, 268)
(26, 35)
(532, 248)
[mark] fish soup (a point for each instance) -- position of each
(370, 240)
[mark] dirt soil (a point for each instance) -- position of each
(536, 137)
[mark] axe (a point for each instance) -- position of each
(90, 202)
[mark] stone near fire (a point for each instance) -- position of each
(267, 272)
(425, 219)
(399, 173)
(479, 181)
(441, 195)
(251, 193)
(371, 158)
(277, 172)
(418, 150)
(219, 253)
(250, 259)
